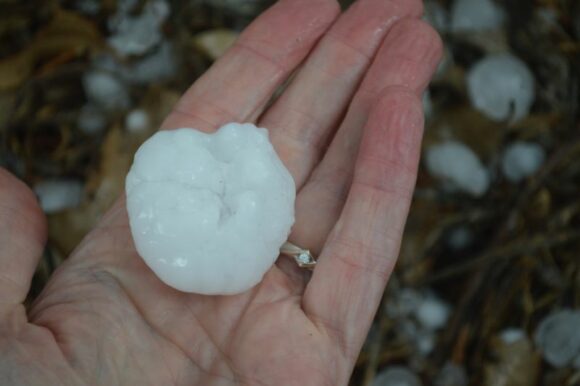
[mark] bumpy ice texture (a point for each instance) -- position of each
(209, 212)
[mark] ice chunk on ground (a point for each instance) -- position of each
(137, 120)
(512, 335)
(456, 163)
(158, 66)
(105, 90)
(135, 35)
(460, 237)
(501, 86)
(432, 313)
(558, 337)
(57, 195)
(209, 212)
(91, 119)
(476, 15)
(397, 376)
(521, 160)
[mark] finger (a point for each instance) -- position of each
(22, 238)
(302, 119)
(361, 251)
(408, 57)
(240, 83)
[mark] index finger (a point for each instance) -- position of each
(238, 86)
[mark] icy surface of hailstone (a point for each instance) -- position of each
(521, 160)
(558, 337)
(501, 86)
(137, 120)
(476, 15)
(397, 376)
(454, 162)
(209, 212)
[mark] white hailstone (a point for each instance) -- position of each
(512, 335)
(135, 35)
(105, 90)
(476, 15)
(501, 86)
(209, 212)
(432, 313)
(457, 164)
(452, 375)
(137, 120)
(397, 376)
(460, 238)
(91, 119)
(158, 66)
(425, 342)
(57, 195)
(403, 304)
(558, 337)
(521, 160)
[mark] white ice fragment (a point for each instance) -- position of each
(512, 335)
(91, 119)
(460, 238)
(105, 90)
(137, 120)
(135, 35)
(521, 160)
(501, 86)
(452, 375)
(403, 304)
(454, 162)
(432, 313)
(209, 212)
(397, 376)
(476, 15)
(558, 337)
(57, 195)
(158, 66)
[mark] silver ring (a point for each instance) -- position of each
(302, 257)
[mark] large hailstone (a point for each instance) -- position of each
(209, 212)
(501, 86)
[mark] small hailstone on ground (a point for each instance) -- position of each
(403, 304)
(89, 7)
(91, 119)
(57, 195)
(158, 66)
(454, 162)
(105, 90)
(137, 120)
(558, 337)
(135, 35)
(209, 212)
(476, 15)
(432, 313)
(521, 160)
(460, 238)
(512, 335)
(397, 376)
(452, 375)
(501, 86)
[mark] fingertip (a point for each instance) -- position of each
(17, 199)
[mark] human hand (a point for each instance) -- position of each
(348, 127)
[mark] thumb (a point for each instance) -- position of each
(22, 238)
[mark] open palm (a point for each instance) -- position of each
(348, 127)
